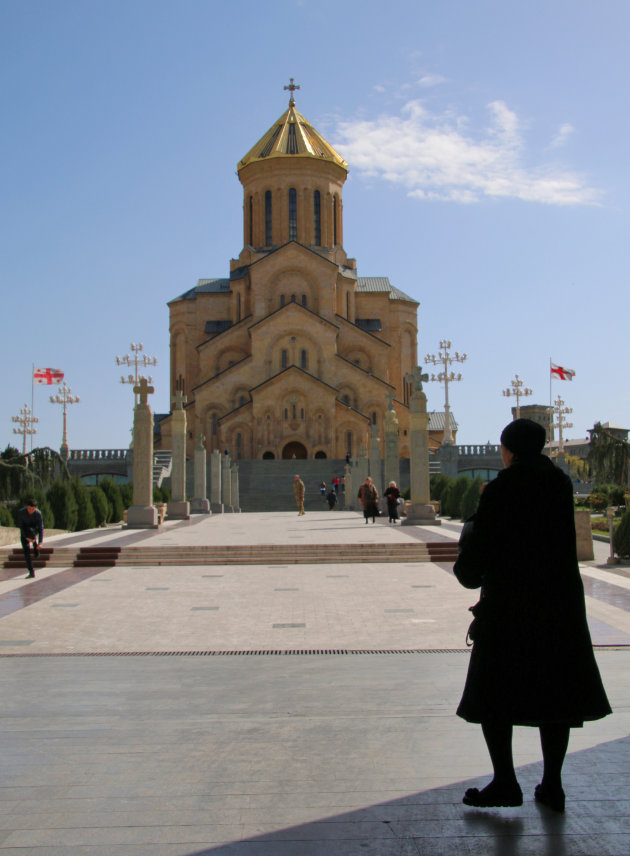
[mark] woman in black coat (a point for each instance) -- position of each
(532, 660)
(392, 494)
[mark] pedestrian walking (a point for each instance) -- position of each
(331, 498)
(298, 490)
(392, 495)
(368, 496)
(31, 525)
(532, 659)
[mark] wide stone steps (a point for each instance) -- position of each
(261, 554)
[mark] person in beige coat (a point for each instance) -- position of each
(298, 490)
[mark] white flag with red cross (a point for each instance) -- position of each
(561, 373)
(47, 376)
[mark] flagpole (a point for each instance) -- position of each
(550, 407)
(32, 397)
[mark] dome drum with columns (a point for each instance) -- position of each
(293, 355)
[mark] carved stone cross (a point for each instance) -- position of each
(144, 390)
(417, 378)
(178, 400)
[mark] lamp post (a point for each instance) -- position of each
(25, 420)
(518, 391)
(560, 410)
(136, 361)
(446, 359)
(64, 398)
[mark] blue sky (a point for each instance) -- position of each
(488, 152)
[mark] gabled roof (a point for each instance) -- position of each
(289, 369)
(292, 136)
(437, 421)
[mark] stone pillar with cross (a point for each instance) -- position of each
(178, 508)
(419, 511)
(392, 459)
(200, 503)
(142, 514)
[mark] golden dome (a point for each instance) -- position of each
(292, 135)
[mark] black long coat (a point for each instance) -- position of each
(532, 660)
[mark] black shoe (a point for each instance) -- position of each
(29, 577)
(553, 799)
(36, 552)
(492, 796)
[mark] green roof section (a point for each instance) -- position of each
(380, 285)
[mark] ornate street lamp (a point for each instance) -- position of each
(560, 411)
(446, 359)
(518, 391)
(136, 361)
(64, 398)
(25, 420)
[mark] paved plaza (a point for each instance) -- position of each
(278, 709)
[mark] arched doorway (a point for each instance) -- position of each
(268, 456)
(320, 454)
(294, 450)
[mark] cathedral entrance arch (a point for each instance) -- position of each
(320, 454)
(268, 456)
(294, 450)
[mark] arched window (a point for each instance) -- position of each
(303, 300)
(282, 300)
(349, 443)
(292, 214)
(251, 221)
(238, 306)
(239, 446)
(317, 217)
(374, 417)
(304, 360)
(241, 401)
(293, 412)
(284, 358)
(334, 221)
(302, 413)
(286, 413)
(346, 400)
(267, 218)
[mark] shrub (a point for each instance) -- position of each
(100, 505)
(470, 500)
(64, 505)
(452, 498)
(86, 518)
(126, 493)
(114, 498)
(6, 518)
(438, 486)
(621, 538)
(598, 501)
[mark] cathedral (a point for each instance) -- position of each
(294, 355)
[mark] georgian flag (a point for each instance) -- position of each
(561, 373)
(47, 376)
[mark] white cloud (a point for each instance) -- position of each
(562, 135)
(428, 80)
(438, 156)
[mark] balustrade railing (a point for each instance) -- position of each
(98, 454)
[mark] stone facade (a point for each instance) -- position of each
(293, 354)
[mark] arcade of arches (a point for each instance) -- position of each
(293, 354)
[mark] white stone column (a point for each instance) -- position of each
(234, 487)
(216, 503)
(226, 484)
(200, 504)
(142, 514)
(178, 508)
(420, 512)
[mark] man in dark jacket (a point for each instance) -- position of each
(31, 526)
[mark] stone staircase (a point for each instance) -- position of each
(268, 485)
(261, 554)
